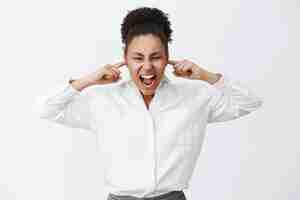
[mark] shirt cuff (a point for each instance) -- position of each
(221, 82)
(70, 87)
(62, 92)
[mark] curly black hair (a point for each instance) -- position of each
(144, 20)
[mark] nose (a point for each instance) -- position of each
(147, 65)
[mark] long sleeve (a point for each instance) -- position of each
(231, 99)
(65, 105)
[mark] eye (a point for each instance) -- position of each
(156, 57)
(137, 58)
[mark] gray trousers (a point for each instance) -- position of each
(173, 195)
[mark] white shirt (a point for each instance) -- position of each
(148, 152)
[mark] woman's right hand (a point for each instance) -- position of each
(107, 74)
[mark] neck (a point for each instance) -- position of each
(147, 99)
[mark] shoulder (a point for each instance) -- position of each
(105, 91)
(190, 87)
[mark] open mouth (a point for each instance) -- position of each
(148, 80)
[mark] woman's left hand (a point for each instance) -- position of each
(188, 69)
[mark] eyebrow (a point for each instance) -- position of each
(140, 54)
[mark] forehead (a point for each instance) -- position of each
(145, 44)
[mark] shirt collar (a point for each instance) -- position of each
(166, 95)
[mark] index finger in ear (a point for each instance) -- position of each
(172, 62)
(119, 64)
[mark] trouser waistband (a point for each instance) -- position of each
(172, 195)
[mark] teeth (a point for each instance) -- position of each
(147, 76)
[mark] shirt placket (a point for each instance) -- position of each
(152, 131)
(150, 117)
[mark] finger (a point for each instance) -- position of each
(172, 62)
(174, 72)
(107, 76)
(179, 68)
(116, 70)
(119, 64)
(186, 69)
(114, 73)
(113, 70)
(177, 72)
(179, 63)
(109, 73)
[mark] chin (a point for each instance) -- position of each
(147, 92)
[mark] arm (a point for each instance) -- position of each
(66, 105)
(230, 99)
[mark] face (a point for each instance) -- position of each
(146, 60)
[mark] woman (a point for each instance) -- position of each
(150, 127)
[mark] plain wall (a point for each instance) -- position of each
(43, 43)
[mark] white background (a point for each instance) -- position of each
(43, 43)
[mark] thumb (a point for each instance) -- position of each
(172, 62)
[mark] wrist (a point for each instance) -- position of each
(212, 78)
(80, 83)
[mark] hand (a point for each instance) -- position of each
(107, 74)
(188, 69)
